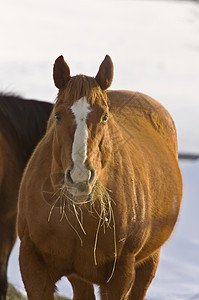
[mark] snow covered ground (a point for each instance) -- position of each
(155, 49)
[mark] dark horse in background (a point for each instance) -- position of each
(22, 125)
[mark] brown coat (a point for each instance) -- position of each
(135, 159)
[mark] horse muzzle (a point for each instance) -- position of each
(80, 190)
(80, 176)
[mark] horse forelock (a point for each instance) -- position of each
(81, 86)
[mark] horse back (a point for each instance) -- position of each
(135, 111)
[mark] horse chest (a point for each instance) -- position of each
(90, 260)
(73, 243)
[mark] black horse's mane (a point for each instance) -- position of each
(25, 119)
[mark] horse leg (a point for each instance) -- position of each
(82, 290)
(8, 238)
(144, 274)
(38, 280)
(120, 284)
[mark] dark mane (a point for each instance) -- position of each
(79, 86)
(26, 119)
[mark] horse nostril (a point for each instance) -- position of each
(92, 175)
(68, 177)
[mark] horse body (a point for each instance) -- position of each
(22, 124)
(103, 216)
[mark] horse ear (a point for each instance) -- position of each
(105, 74)
(61, 72)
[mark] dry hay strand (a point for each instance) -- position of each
(99, 205)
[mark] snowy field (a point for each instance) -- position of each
(155, 49)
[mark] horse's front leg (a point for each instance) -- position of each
(82, 290)
(38, 280)
(119, 286)
(145, 273)
(7, 238)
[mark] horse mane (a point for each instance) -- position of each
(26, 118)
(79, 86)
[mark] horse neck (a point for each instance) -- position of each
(35, 128)
(118, 150)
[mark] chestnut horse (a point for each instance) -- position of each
(22, 124)
(101, 192)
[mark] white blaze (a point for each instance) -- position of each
(80, 109)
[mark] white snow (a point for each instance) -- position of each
(155, 49)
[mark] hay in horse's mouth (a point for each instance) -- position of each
(98, 203)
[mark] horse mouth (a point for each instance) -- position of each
(80, 192)
(81, 199)
(57, 191)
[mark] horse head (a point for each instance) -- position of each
(81, 136)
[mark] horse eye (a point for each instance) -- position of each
(105, 118)
(58, 116)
